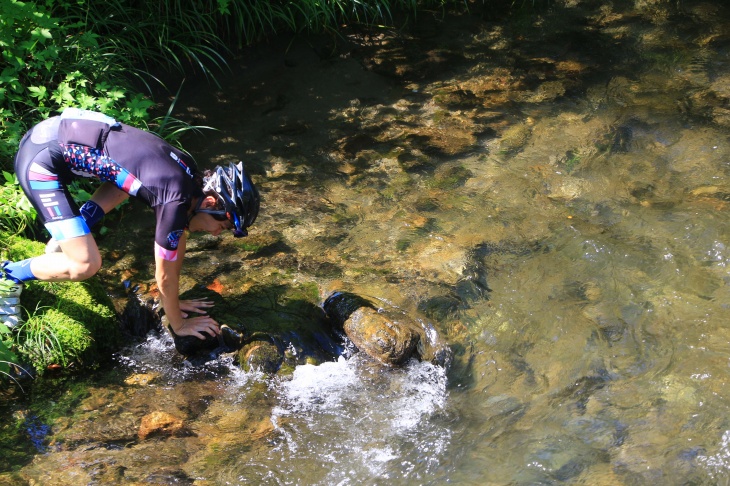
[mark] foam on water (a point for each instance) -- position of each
(157, 354)
(718, 464)
(371, 417)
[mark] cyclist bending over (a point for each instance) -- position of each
(130, 162)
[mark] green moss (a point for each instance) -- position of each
(344, 218)
(403, 244)
(398, 185)
(440, 116)
(50, 337)
(450, 179)
(571, 161)
(249, 246)
(66, 322)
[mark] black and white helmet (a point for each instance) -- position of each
(236, 194)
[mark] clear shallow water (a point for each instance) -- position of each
(551, 192)
(320, 423)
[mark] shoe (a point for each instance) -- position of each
(10, 302)
(52, 246)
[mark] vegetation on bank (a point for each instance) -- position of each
(66, 323)
(104, 56)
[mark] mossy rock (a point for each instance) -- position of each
(286, 316)
(67, 323)
(260, 356)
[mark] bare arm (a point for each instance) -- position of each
(109, 196)
(167, 274)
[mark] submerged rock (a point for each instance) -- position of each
(382, 338)
(275, 339)
(260, 356)
(141, 313)
(160, 424)
(389, 336)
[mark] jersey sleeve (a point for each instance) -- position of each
(172, 218)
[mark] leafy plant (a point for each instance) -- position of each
(8, 360)
(50, 63)
(36, 340)
(16, 212)
(171, 128)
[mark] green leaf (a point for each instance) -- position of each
(40, 32)
(63, 94)
(39, 92)
(82, 195)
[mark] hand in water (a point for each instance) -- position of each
(196, 326)
(195, 305)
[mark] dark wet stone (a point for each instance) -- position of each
(340, 305)
(622, 137)
(232, 339)
(191, 345)
(285, 316)
(139, 316)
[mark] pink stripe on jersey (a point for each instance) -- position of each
(35, 176)
(165, 254)
(128, 182)
(40, 169)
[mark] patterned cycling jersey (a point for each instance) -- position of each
(85, 161)
(138, 162)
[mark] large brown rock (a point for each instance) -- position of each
(387, 340)
(160, 424)
(388, 335)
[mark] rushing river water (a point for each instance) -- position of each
(550, 190)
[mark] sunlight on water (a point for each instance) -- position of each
(719, 464)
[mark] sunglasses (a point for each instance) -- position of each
(222, 215)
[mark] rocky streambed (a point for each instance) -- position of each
(546, 188)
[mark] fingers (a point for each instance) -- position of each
(202, 324)
(199, 326)
(196, 305)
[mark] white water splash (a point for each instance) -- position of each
(718, 464)
(357, 423)
(157, 354)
